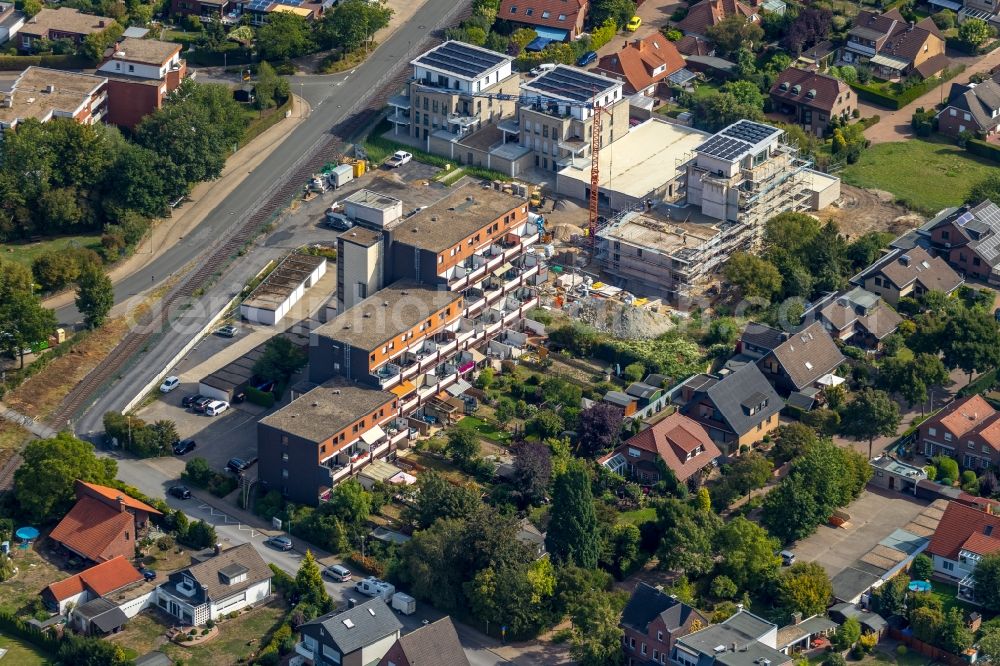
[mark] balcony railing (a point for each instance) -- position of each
(387, 375)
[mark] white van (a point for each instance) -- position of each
(373, 587)
(216, 407)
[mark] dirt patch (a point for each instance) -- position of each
(35, 570)
(42, 393)
(620, 320)
(860, 211)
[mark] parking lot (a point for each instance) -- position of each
(874, 516)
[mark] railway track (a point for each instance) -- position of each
(268, 206)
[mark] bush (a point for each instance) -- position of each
(258, 397)
(165, 542)
(969, 478)
(901, 650)
(983, 149)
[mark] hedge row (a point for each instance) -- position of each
(21, 629)
(17, 63)
(983, 149)
(877, 96)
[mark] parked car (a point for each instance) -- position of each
(586, 58)
(184, 446)
(201, 403)
(398, 159)
(169, 384)
(228, 331)
(279, 542)
(337, 221)
(338, 572)
(787, 558)
(189, 400)
(180, 492)
(148, 574)
(216, 407)
(237, 465)
(634, 24)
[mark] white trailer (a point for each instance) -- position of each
(404, 603)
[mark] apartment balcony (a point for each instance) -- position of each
(509, 126)
(491, 320)
(388, 375)
(493, 256)
(465, 362)
(303, 651)
(398, 117)
(462, 275)
(575, 145)
(572, 161)
(400, 102)
(475, 299)
(466, 330)
(493, 287)
(462, 120)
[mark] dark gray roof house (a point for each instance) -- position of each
(791, 361)
(649, 603)
(434, 644)
(358, 636)
(742, 640)
(981, 101)
(741, 399)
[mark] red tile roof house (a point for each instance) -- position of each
(705, 14)
(683, 445)
(812, 99)
(550, 15)
(967, 430)
(97, 581)
(963, 537)
(652, 622)
(103, 524)
(643, 64)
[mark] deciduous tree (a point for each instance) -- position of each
(756, 277)
(987, 579)
(95, 295)
(805, 587)
(870, 414)
(747, 554)
(599, 429)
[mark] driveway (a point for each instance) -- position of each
(654, 14)
(874, 516)
(895, 125)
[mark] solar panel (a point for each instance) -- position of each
(460, 59)
(751, 132)
(724, 147)
(964, 218)
(572, 84)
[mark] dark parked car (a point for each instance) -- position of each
(189, 400)
(200, 404)
(148, 574)
(180, 492)
(237, 465)
(280, 542)
(239, 397)
(184, 446)
(586, 58)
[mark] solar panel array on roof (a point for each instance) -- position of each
(724, 147)
(750, 132)
(572, 84)
(258, 5)
(461, 59)
(964, 218)
(989, 247)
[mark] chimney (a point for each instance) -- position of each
(911, 26)
(796, 617)
(733, 646)
(121, 503)
(217, 549)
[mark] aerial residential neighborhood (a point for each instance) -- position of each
(537, 332)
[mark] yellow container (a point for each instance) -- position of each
(359, 168)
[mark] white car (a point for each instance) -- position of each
(169, 384)
(398, 159)
(216, 407)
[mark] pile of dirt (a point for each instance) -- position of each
(627, 322)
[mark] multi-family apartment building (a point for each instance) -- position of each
(141, 72)
(446, 96)
(723, 191)
(443, 283)
(44, 94)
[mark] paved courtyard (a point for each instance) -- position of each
(874, 516)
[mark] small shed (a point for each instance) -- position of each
(378, 472)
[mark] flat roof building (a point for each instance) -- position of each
(282, 289)
(43, 94)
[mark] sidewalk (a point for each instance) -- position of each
(37, 429)
(895, 125)
(200, 203)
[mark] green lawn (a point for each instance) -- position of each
(20, 653)
(923, 175)
(703, 90)
(25, 253)
(638, 516)
(483, 429)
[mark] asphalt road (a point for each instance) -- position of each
(331, 98)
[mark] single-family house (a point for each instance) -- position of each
(61, 23)
(101, 579)
(554, 20)
(703, 15)
(792, 361)
(103, 524)
(812, 99)
(967, 430)
(908, 273)
(11, 21)
(737, 408)
(358, 636)
(742, 640)
(678, 442)
(653, 621)
(646, 64)
(894, 47)
(967, 237)
(234, 579)
(973, 108)
(857, 316)
(435, 643)
(964, 536)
